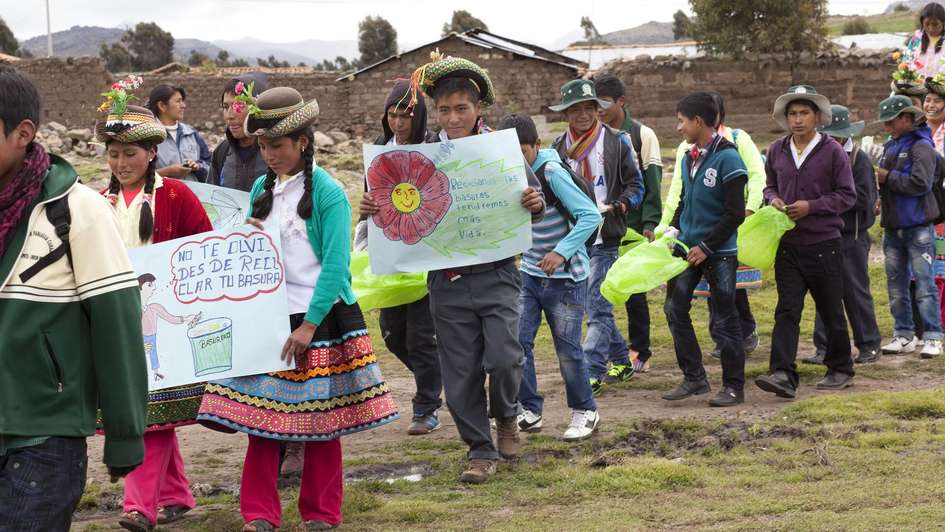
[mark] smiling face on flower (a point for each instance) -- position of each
(412, 195)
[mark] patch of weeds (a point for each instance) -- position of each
(360, 500)
(412, 511)
(636, 477)
(225, 520)
(884, 440)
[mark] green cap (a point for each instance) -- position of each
(577, 91)
(841, 127)
(896, 105)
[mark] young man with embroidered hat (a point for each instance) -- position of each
(906, 176)
(605, 157)
(857, 299)
(809, 178)
(70, 327)
(475, 308)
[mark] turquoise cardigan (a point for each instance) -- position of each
(329, 231)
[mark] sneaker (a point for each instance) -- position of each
(619, 373)
(816, 358)
(901, 345)
(583, 424)
(421, 425)
(931, 349)
(728, 397)
(597, 386)
(529, 421)
(867, 356)
(687, 389)
(478, 471)
(777, 383)
(293, 461)
(136, 522)
(639, 366)
(751, 343)
(834, 380)
(508, 441)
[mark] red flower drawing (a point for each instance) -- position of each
(413, 196)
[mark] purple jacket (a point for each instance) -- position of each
(824, 180)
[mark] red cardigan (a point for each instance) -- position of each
(178, 212)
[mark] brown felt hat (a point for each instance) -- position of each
(135, 124)
(286, 105)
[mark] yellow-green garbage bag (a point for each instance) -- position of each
(629, 241)
(383, 291)
(643, 268)
(759, 237)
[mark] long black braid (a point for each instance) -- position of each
(263, 204)
(931, 10)
(146, 220)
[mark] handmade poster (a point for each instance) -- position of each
(226, 207)
(450, 204)
(213, 306)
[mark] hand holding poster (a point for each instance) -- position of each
(212, 305)
(451, 204)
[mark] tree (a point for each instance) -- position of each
(223, 58)
(8, 43)
(342, 63)
(736, 27)
(377, 39)
(463, 21)
(196, 58)
(149, 45)
(591, 35)
(116, 57)
(856, 26)
(681, 25)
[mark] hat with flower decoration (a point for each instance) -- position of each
(127, 123)
(443, 67)
(278, 112)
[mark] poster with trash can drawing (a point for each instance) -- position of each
(213, 306)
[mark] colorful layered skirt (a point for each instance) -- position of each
(170, 407)
(341, 392)
(746, 278)
(938, 267)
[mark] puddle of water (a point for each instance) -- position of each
(417, 477)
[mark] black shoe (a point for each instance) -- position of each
(751, 343)
(777, 383)
(834, 380)
(816, 358)
(687, 389)
(868, 356)
(716, 353)
(728, 397)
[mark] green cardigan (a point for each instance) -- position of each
(329, 231)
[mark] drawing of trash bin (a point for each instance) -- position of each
(212, 344)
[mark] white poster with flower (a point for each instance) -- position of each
(446, 205)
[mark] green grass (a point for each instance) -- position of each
(896, 22)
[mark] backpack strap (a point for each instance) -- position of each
(636, 138)
(57, 212)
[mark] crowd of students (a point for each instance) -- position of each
(72, 360)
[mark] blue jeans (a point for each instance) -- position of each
(604, 341)
(563, 303)
(40, 485)
(912, 250)
(720, 274)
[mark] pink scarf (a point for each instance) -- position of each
(20, 193)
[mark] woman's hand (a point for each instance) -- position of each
(175, 170)
(297, 344)
(256, 222)
(368, 206)
(532, 200)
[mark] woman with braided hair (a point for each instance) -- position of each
(337, 387)
(151, 209)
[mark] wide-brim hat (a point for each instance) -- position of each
(896, 105)
(136, 124)
(908, 88)
(285, 105)
(577, 91)
(936, 85)
(442, 68)
(840, 125)
(802, 92)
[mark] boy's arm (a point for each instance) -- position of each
(651, 209)
(632, 181)
(771, 177)
(587, 217)
(203, 162)
(755, 164)
(671, 206)
(533, 182)
(732, 216)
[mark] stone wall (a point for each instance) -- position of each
(654, 86)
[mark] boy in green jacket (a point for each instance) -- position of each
(70, 327)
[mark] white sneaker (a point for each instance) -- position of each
(529, 421)
(583, 424)
(931, 349)
(900, 345)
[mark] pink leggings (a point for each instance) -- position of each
(940, 284)
(159, 481)
(320, 494)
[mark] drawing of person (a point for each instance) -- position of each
(150, 312)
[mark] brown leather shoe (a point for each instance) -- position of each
(478, 471)
(509, 443)
(294, 460)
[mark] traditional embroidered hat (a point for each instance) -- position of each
(127, 123)
(286, 107)
(908, 88)
(802, 92)
(936, 84)
(896, 105)
(841, 126)
(442, 67)
(577, 91)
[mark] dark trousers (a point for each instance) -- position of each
(857, 298)
(409, 334)
(638, 325)
(720, 274)
(746, 320)
(817, 268)
(40, 486)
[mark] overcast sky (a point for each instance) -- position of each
(416, 21)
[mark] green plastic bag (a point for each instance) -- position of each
(643, 268)
(383, 291)
(759, 237)
(629, 241)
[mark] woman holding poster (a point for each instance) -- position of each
(337, 387)
(151, 209)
